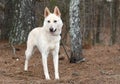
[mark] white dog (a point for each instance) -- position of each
(46, 39)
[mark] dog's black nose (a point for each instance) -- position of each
(52, 29)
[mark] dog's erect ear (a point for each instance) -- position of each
(46, 12)
(57, 11)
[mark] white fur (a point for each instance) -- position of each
(46, 41)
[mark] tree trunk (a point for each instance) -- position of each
(114, 4)
(2, 7)
(75, 34)
(19, 20)
(99, 21)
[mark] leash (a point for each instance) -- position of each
(65, 50)
(64, 45)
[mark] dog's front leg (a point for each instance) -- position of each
(55, 61)
(45, 67)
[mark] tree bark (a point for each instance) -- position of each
(113, 14)
(19, 20)
(2, 7)
(75, 34)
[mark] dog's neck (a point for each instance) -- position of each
(54, 35)
(53, 38)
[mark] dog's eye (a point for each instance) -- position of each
(48, 21)
(55, 21)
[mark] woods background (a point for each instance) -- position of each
(99, 19)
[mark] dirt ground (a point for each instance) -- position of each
(102, 66)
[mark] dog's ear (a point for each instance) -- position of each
(46, 12)
(57, 11)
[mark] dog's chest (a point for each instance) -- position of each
(51, 47)
(53, 43)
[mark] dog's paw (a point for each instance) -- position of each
(25, 69)
(47, 78)
(57, 78)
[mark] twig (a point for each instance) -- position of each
(14, 50)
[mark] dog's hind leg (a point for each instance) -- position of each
(28, 54)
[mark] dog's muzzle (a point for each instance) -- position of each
(52, 30)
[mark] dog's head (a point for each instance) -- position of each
(53, 23)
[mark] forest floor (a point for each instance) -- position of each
(102, 66)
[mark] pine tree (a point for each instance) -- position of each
(75, 34)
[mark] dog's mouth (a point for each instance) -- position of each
(52, 30)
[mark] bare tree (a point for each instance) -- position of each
(2, 6)
(19, 19)
(75, 34)
(114, 16)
